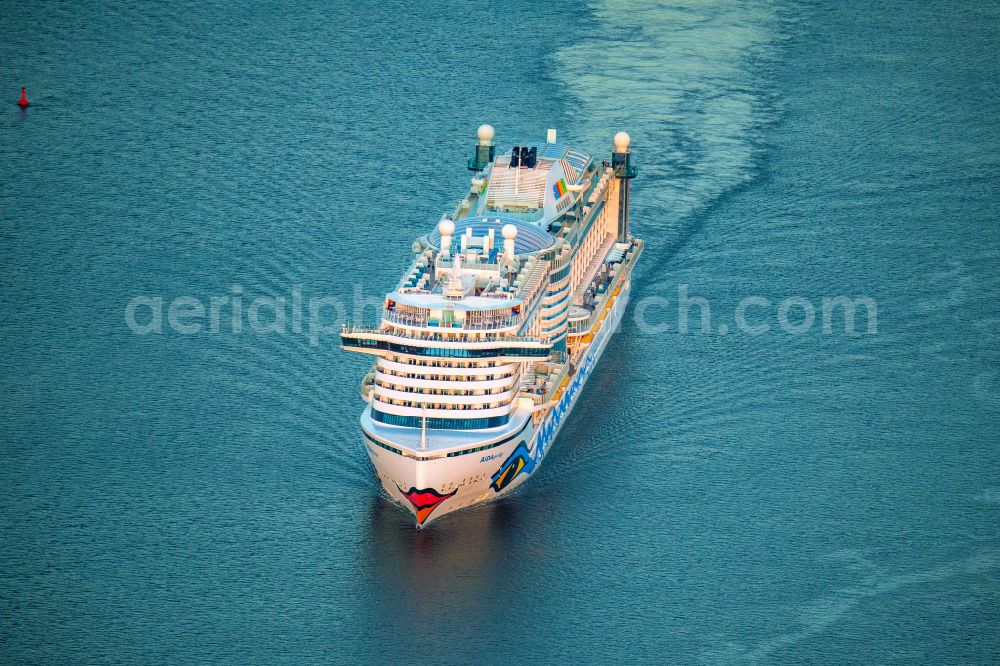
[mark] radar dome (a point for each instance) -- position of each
(446, 227)
(622, 141)
(485, 133)
(509, 231)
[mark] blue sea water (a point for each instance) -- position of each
(714, 498)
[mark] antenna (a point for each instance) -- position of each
(455, 289)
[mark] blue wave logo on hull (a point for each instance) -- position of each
(520, 461)
(549, 428)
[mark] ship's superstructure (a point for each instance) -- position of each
(487, 340)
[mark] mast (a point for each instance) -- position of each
(423, 428)
(624, 172)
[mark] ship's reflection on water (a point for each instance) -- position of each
(448, 568)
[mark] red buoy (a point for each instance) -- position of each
(24, 98)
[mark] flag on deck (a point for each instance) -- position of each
(559, 188)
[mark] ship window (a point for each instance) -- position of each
(440, 422)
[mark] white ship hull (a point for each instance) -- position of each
(430, 489)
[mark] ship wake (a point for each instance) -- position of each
(691, 81)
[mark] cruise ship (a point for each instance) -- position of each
(488, 339)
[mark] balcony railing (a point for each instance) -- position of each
(351, 329)
(427, 322)
(470, 265)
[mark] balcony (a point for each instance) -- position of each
(352, 329)
(395, 317)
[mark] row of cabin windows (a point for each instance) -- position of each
(449, 336)
(558, 303)
(555, 327)
(439, 405)
(444, 378)
(406, 360)
(561, 291)
(440, 423)
(448, 352)
(453, 454)
(431, 391)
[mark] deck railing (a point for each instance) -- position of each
(351, 329)
(425, 322)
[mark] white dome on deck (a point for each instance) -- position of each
(446, 228)
(486, 134)
(622, 141)
(528, 238)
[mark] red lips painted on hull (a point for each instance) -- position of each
(425, 501)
